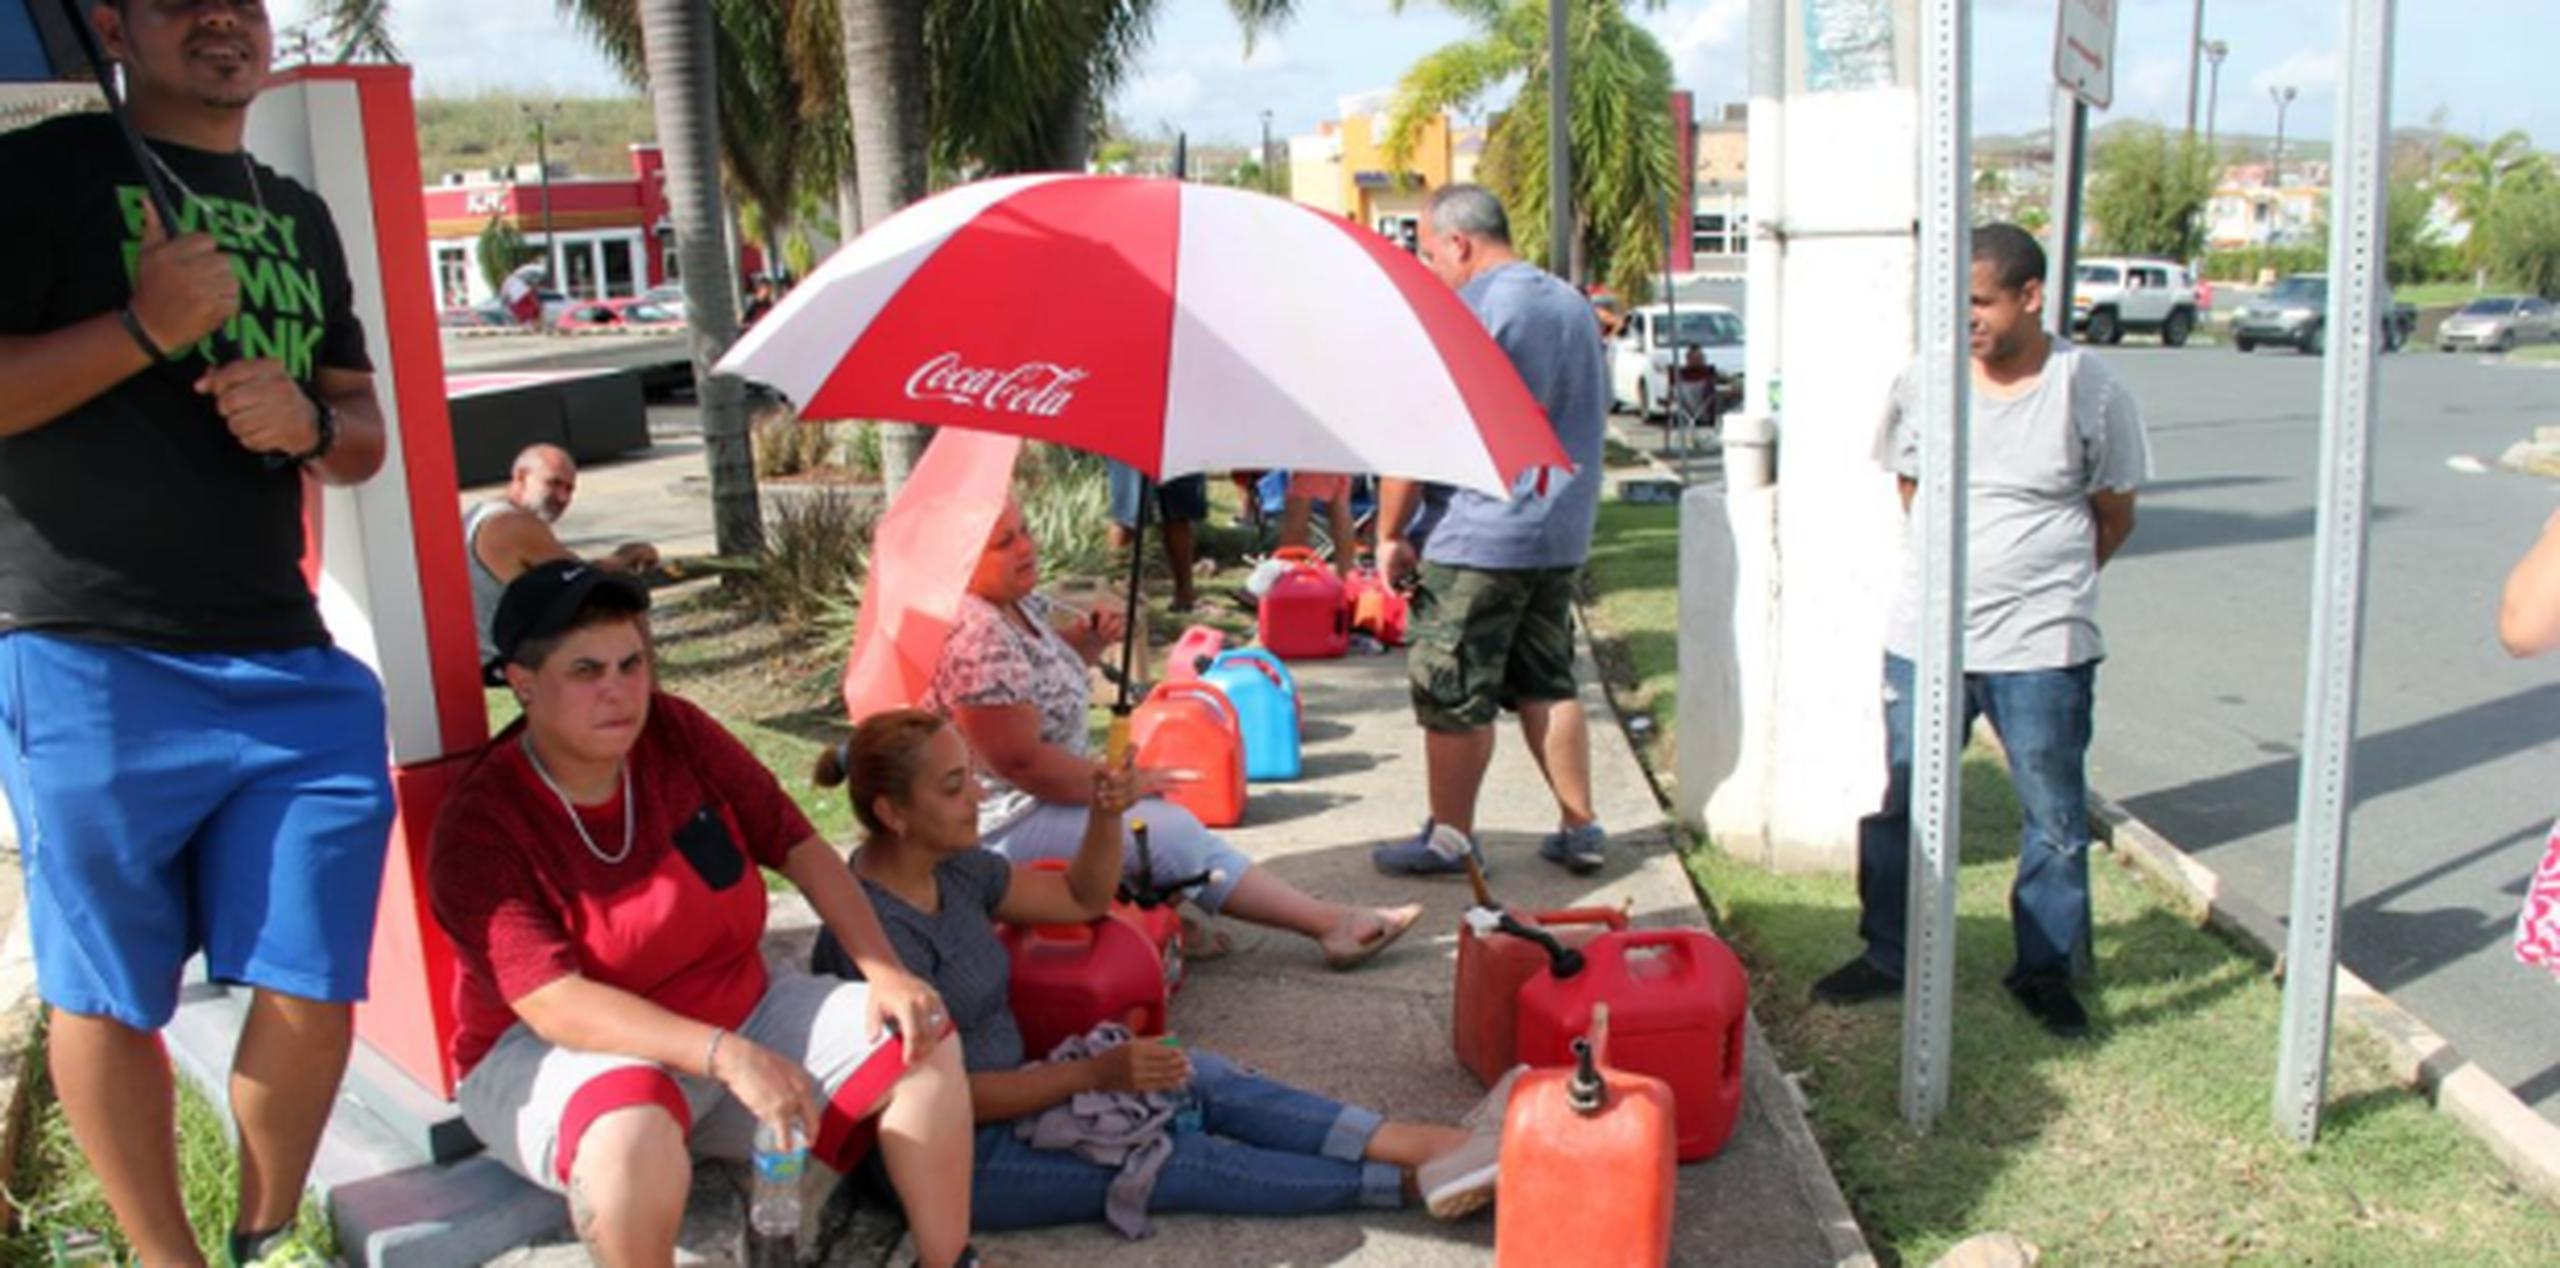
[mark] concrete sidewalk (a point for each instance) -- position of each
(1378, 1037)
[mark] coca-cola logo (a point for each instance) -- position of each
(1042, 389)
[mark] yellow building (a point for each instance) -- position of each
(1343, 167)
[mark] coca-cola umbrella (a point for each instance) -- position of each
(1175, 327)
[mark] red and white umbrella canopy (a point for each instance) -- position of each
(1175, 327)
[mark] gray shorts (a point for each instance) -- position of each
(529, 1101)
(1181, 846)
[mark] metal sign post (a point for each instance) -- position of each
(1937, 706)
(2084, 75)
(2338, 567)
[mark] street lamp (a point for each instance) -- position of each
(1269, 184)
(2283, 95)
(2195, 48)
(541, 120)
(2214, 52)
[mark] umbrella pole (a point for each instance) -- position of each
(1118, 746)
(152, 185)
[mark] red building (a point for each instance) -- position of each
(615, 238)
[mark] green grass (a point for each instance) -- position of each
(2149, 1143)
(61, 1194)
(2436, 294)
(2546, 352)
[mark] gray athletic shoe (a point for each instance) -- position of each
(1581, 850)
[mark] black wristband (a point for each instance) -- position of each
(326, 420)
(141, 338)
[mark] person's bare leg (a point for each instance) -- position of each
(1559, 737)
(1295, 515)
(1265, 899)
(283, 1082)
(1178, 541)
(928, 1140)
(627, 1187)
(1346, 534)
(1456, 761)
(114, 1085)
(1410, 1145)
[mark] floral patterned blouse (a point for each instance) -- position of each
(991, 662)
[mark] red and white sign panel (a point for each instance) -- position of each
(2084, 50)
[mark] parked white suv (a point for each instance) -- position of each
(2111, 295)
(1640, 356)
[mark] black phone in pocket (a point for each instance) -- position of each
(704, 841)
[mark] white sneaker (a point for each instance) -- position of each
(1460, 1182)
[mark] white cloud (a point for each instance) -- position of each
(1705, 41)
(2315, 72)
(1163, 94)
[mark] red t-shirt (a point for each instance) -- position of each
(677, 922)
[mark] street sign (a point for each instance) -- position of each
(2084, 50)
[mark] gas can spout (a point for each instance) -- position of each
(1585, 1093)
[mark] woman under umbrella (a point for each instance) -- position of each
(598, 872)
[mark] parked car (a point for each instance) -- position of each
(475, 317)
(2111, 296)
(2295, 312)
(617, 314)
(669, 297)
(1640, 356)
(2497, 323)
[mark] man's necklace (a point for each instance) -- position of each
(535, 759)
(257, 193)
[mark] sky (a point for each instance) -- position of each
(2480, 62)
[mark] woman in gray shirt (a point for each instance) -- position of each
(939, 895)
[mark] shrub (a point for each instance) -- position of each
(808, 577)
(785, 446)
(1066, 503)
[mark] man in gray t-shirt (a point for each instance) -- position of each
(2057, 450)
(1493, 601)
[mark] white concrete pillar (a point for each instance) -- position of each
(1835, 191)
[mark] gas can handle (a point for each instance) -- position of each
(1259, 659)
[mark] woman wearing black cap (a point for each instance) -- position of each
(597, 870)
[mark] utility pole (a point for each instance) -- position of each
(2284, 95)
(1560, 234)
(2214, 52)
(1269, 184)
(542, 159)
(2195, 50)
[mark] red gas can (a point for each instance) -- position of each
(1587, 1173)
(1192, 652)
(1679, 1002)
(1303, 615)
(1192, 727)
(1377, 609)
(1067, 978)
(1492, 966)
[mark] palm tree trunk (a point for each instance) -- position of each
(1065, 134)
(676, 37)
(885, 87)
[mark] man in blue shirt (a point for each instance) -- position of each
(1493, 595)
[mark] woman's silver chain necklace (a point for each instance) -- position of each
(535, 759)
(257, 192)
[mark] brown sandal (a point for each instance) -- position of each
(1392, 923)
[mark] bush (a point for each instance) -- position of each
(1066, 503)
(862, 450)
(2244, 265)
(817, 544)
(785, 446)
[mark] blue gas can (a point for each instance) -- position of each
(1266, 701)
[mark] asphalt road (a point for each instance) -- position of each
(2207, 615)
(2458, 757)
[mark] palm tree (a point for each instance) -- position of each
(679, 52)
(886, 90)
(360, 27)
(2473, 177)
(1626, 167)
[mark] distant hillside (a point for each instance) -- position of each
(589, 137)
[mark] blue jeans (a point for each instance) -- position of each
(2043, 719)
(1263, 1148)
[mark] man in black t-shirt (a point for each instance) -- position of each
(193, 767)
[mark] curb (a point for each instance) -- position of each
(1773, 1094)
(2526, 1142)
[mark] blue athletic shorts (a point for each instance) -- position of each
(175, 802)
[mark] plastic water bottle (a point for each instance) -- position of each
(773, 1210)
(1186, 1111)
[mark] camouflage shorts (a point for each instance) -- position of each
(1486, 639)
